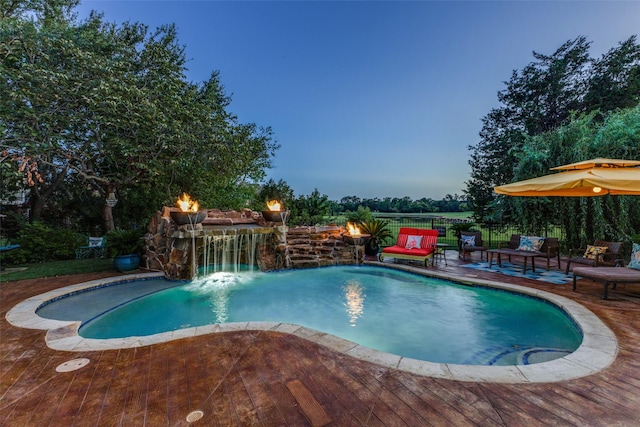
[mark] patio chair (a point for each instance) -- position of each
(601, 253)
(470, 241)
(95, 248)
(551, 249)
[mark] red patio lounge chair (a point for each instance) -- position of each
(415, 244)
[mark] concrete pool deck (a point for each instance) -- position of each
(597, 350)
(272, 378)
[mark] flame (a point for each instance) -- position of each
(354, 231)
(186, 204)
(274, 205)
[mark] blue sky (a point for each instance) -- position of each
(372, 99)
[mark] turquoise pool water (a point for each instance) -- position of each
(384, 309)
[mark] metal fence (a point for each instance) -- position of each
(492, 233)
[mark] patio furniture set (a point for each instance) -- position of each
(599, 262)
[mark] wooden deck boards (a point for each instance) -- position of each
(242, 378)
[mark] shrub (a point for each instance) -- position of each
(39, 242)
(361, 215)
(124, 242)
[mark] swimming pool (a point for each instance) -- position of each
(392, 311)
(356, 292)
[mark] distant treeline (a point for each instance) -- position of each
(405, 204)
(316, 207)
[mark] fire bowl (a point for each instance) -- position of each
(275, 216)
(356, 240)
(186, 218)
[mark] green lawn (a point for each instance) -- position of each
(54, 268)
(452, 215)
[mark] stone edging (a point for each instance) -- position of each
(598, 349)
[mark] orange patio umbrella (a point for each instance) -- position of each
(595, 177)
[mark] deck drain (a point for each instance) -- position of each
(72, 365)
(194, 416)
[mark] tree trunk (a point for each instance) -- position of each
(37, 205)
(107, 216)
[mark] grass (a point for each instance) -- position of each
(55, 268)
(451, 215)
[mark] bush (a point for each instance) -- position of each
(361, 215)
(124, 242)
(39, 242)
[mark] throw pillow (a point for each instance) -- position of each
(593, 251)
(635, 257)
(413, 242)
(530, 243)
(468, 240)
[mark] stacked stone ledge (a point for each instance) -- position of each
(168, 246)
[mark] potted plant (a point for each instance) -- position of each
(379, 231)
(125, 246)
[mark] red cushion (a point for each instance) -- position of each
(429, 237)
(403, 235)
(401, 250)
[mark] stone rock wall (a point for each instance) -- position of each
(169, 247)
(318, 247)
(164, 252)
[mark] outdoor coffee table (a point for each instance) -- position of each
(514, 252)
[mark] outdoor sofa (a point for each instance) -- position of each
(415, 244)
(527, 247)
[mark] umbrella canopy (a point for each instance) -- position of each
(599, 163)
(595, 177)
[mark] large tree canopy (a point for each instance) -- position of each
(90, 108)
(583, 219)
(538, 100)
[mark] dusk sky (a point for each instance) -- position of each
(372, 99)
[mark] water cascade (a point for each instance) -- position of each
(232, 250)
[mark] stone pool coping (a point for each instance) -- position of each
(598, 349)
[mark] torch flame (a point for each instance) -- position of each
(354, 231)
(274, 205)
(186, 204)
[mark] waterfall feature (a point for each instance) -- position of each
(231, 250)
(231, 241)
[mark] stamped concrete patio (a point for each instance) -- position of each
(272, 378)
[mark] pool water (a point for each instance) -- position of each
(384, 309)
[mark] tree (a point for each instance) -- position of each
(614, 82)
(311, 210)
(583, 219)
(108, 110)
(540, 98)
(350, 203)
(272, 190)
